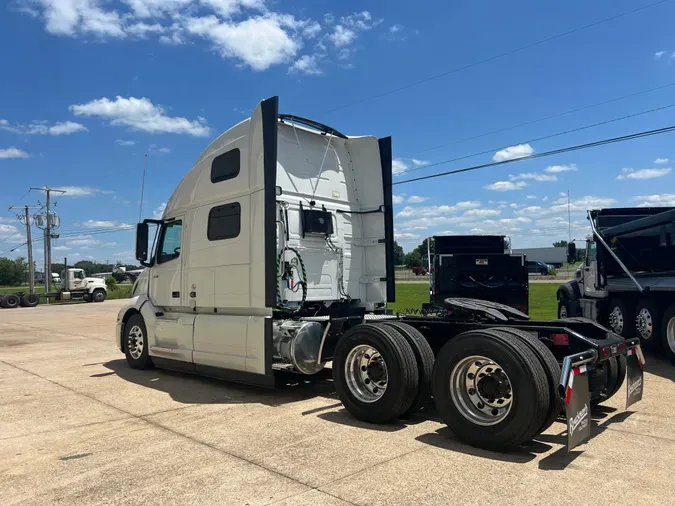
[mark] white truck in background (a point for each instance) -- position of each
(275, 255)
(554, 256)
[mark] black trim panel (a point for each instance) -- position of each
(244, 377)
(270, 113)
(385, 160)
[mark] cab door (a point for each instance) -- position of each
(591, 272)
(165, 282)
(174, 325)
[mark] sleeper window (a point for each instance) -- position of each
(225, 166)
(170, 245)
(224, 222)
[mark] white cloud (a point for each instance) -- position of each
(85, 242)
(419, 163)
(659, 54)
(342, 36)
(78, 191)
(398, 167)
(306, 64)
(43, 128)
(140, 114)
(561, 168)
(158, 8)
(311, 30)
(405, 236)
(104, 224)
(10, 233)
(544, 199)
(61, 248)
(657, 200)
(395, 28)
(482, 213)
(530, 196)
(258, 42)
(159, 211)
(397, 199)
(533, 176)
(122, 142)
(431, 211)
(416, 199)
(628, 173)
(513, 152)
(505, 186)
(74, 17)
(13, 153)
(661, 161)
(559, 207)
(143, 29)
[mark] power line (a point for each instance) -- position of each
(72, 234)
(497, 56)
(550, 136)
(532, 122)
(577, 147)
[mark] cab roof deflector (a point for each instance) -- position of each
(325, 129)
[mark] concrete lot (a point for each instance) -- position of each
(77, 426)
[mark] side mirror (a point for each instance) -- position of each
(142, 243)
(571, 253)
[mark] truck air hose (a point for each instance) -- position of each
(280, 303)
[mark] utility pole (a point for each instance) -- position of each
(49, 222)
(25, 218)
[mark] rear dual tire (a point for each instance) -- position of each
(511, 373)
(10, 301)
(375, 373)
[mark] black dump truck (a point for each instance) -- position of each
(479, 267)
(627, 280)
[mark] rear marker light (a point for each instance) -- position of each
(560, 339)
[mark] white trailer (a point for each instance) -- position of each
(275, 253)
(555, 256)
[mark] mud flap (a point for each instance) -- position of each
(578, 407)
(634, 375)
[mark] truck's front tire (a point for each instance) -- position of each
(135, 342)
(375, 373)
(98, 295)
(621, 318)
(491, 389)
(563, 307)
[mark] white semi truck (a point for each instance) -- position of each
(275, 253)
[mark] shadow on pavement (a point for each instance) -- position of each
(192, 389)
(657, 365)
(444, 438)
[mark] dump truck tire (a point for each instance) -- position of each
(551, 368)
(621, 318)
(616, 373)
(474, 372)
(424, 356)
(30, 300)
(668, 333)
(648, 324)
(375, 373)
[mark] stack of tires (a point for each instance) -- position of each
(495, 388)
(14, 300)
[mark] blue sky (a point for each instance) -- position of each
(89, 87)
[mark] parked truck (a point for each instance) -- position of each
(555, 256)
(71, 284)
(275, 255)
(479, 267)
(627, 280)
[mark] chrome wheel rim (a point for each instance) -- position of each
(366, 373)
(616, 320)
(135, 342)
(563, 312)
(645, 323)
(481, 390)
(670, 334)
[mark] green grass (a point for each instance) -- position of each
(543, 302)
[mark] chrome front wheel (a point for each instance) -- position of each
(481, 390)
(135, 342)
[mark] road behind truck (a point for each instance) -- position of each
(79, 426)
